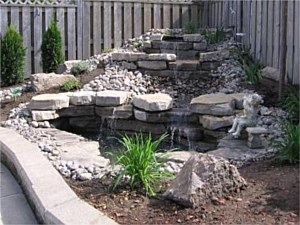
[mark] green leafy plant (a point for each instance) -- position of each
(288, 146)
(16, 92)
(107, 50)
(139, 162)
(69, 85)
(213, 37)
(79, 68)
(169, 32)
(250, 65)
(12, 57)
(292, 105)
(190, 27)
(52, 54)
(138, 44)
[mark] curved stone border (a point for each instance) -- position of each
(52, 200)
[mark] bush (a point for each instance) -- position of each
(12, 58)
(79, 68)
(190, 27)
(213, 37)
(69, 85)
(51, 48)
(139, 162)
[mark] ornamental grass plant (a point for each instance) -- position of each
(138, 162)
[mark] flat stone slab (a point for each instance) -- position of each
(44, 115)
(218, 104)
(184, 65)
(118, 112)
(112, 98)
(176, 156)
(76, 111)
(49, 101)
(128, 56)
(162, 56)
(257, 130)
(82, 98)
(193, 38)
(153, 65)
(213, 122)
(219, 55)
(153, 102)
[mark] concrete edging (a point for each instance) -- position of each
(50, 197)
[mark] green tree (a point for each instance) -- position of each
(12, 57)
(52, 54)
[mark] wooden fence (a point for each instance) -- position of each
(89, 26)
(260, 21)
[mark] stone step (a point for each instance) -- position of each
(193, 75)
(190, 65)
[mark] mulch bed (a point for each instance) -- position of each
(272, 197)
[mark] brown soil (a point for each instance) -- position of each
(272, 197)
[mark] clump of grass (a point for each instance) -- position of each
(140, 164)
(190, 27)
(79, 68)
(69, 85)
(213, 37)
(251, 66)
(292, 105)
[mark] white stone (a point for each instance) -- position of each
(43, 115)
(153, 102)
(162, 56)
(213, 122)
(112, 98)
(45, 81)
(82, 98)
(84, 176)
(49, 101)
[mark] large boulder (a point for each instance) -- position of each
(153, 102)
(49, 102)
(204, 178)
(45, 81)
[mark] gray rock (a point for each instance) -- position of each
(44, 115)
(202, 178)
(219, 55)
(84, 176)
(153, 102)
(112, 98)
(162, 57)
(213, 122)
(82, 97)
(49, 102)
(153, 65)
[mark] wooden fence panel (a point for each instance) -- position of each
(107, 25)
(253, 27)
(276, 34)
(60, 18)
(157, 15)
(270, 34)
(97, 31)
(147, 17)
(264, 32)
(48, 17)
(71, 33)
(185, 15)
(166, 15)
(137, 19)
(296, 74)
(290, 39)
(86, 35)
(117, 24)
(37, 39)
(176, 17)
(258, 29)
(127, 20)
(15, 18)
(26, 32)
(79, 29)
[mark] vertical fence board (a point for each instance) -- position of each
(26, 26)
(194, 15)
(252, 27)
(157, 15)
(48, 17)
(238, 17)
(166, 16)
(4, 19)
(86, 29)
(71, 31)
(264, 32)
(276, 34)
(107, 24)
(296, 74)
(60, 17)
(37, 39)
(185, 15)
(246, 22)
(137, 19)
(15, 18)
(117, 24)
(270, 34)
(97, 28)
(176, 16)
(290, 39)
(258, 29)
(147, 17)
(127, 20)
(212, 14)
(225, 21)
(79, 29)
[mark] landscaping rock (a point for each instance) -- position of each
(270, 73)
(176, 156)
(44, 115)
(184, 65)
(153, 65)
(49, 101)
(202, 46)
(213, 122)
(45, 81)
(76, 111)
(112, 98)
(82, 98)
(118, 112)
(153, 102)
(193, 38)
(129, 65)
(128, 56)
(66, 66)
(162, 56)
(204, 178)
(219, 55)
(213, 104)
